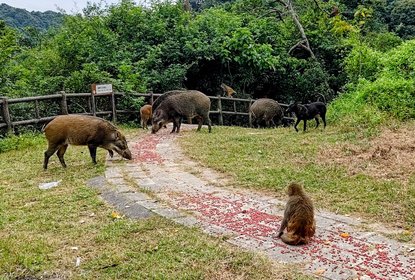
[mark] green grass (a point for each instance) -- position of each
(42, 232)
(269, 159)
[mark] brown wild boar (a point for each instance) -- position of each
(266, 110)
(178, 104)
(83, 130)
(145, 115)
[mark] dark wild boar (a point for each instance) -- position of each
(145, 115)
(83, 130)
(172, 106)
(265, 110)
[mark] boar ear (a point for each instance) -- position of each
(117, 135)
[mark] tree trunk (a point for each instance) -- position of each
(303, 43)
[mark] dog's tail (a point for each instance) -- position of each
(322, 97)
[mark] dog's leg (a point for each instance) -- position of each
(296, 123)
(305, 124)
(317, 122)
(323, 117)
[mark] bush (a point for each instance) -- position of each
(350, 111)
(15, 142)
(386, 87)
(363, 62)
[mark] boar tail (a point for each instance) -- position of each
(43, 127)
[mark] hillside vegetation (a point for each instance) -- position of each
(21, 18)
(358, 56)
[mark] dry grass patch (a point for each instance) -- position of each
(388, 156)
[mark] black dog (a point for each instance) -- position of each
(308, 112)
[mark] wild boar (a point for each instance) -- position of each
(266, 110)
(83, 130)
(145, 115)
(172, 106)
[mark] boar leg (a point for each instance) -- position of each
(93, 152)
(207, 119)
(179, 123)
(49, 152)
(200, 122)
(273, 123)
(176, 124)
(111, 153)
(60, 153)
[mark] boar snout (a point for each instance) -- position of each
(121, 149)
(127, 154)
(156, 126)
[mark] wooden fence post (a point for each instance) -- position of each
(114, 109)
(6, 114)
(64, 103)
(220, 110)
(37, 112)
(93, 108)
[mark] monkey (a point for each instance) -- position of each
(228, 90)
(334, 12)
(298, 217)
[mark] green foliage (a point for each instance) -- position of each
(80, 81)
(403, 18)
(386, 88)
(383, 42)
(241, 43)
(393, 95)
(400, 61)
(20, 18)
(163, 48)
(18, 142)
(9, 48)
(362, 61)
(351, 112)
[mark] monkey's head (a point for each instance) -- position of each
(295, 189)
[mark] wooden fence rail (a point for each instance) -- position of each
(63, 99)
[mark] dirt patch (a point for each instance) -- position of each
(390, 156)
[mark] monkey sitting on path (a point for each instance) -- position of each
(298, 217)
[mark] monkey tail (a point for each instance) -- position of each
(293, 239)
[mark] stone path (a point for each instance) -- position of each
(161, 180)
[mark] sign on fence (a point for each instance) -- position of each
(101, 88)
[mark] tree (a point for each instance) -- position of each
(403, 18)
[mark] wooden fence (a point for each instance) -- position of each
(7, 122)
